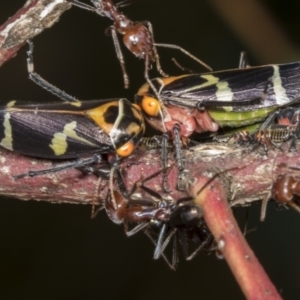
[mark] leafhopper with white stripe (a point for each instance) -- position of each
(233, 98)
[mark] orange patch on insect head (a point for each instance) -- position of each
(126, 149)
(151, 106)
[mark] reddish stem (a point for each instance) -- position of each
(246, 268)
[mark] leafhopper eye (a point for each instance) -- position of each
(151, 106)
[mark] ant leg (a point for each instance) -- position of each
(160, 241)
(115, 169)
(186, 53)
(124, 3)
(136, 229)
(175, 252)
(246, 222)
(164, 158)
(178, 154)
(168, 239)
(182, 68)
(171, 266)
(157, 60)
(146, 75)
(244, 63)
(120, 181)
(270, 120)
(120, 56)
(37, 79)
(95, 211)
(264, 204)
(82, 5)
(97, 9)
(109, 171)
(294, 206)
(162, 142)
(161, 245)
(203, 244)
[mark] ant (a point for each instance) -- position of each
(161, 218)
(286, 190)
(137, 37)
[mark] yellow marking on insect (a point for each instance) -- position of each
(145, 88)
(133, 128)
(11, 103)
(238, 119)
(139, 126)
(279, 90)
(139, 116)
(210, 80)
(114, 132)
(136, 112)
(97, 114)
(76, 103)
(224, 93)
(167, 80)
(7, 141)
(59, 142)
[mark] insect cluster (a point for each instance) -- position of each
(247, 106)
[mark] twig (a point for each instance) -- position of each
(26, 23)
(218, 176)
(246, 268)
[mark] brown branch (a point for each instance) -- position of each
(69, 186)
(246, 175)
(217, 175)
(26, 23)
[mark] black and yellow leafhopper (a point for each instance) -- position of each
(71, 130)
(233, 98)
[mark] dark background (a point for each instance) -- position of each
(56, 251)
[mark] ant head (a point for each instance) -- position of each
(138, 40)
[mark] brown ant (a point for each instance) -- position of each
(137, 37)
(286, 189)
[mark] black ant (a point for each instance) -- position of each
(162, 219)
